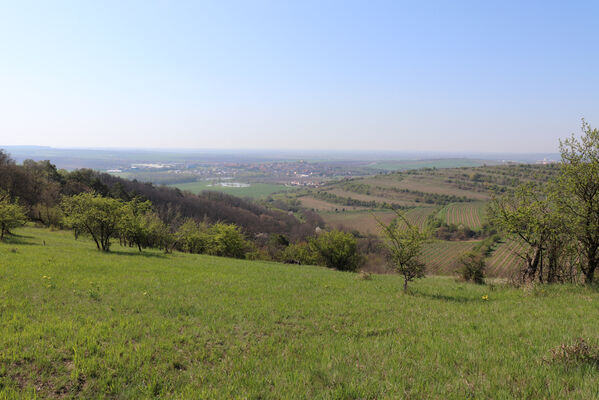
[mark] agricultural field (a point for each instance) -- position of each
(361, 221)
(418, 164)
(471, 215)
(253, 190)
(441, 256)
(311, 203)
(78, 323)
(504, 261)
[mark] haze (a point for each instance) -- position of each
(395, 76)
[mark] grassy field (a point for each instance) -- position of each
(78, 323)
(254, 190)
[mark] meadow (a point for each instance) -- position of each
(78, 323)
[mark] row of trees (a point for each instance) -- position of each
(135, 223)
(556, 225)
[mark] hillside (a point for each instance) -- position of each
(80, 323)
(457, 197)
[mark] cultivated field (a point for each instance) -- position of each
(470, 215)
(362, 221)
(77, 323)
(504, 262)
(441, 257)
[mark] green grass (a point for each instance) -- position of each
(79, 323)
(255, 190)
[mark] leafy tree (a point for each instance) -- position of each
(133, 226)
(12, 215)
(337, 250)
(98, 216)
(192, 237)
(158, 233)
(473, 267)
(527, 215)
(578, 197)
(226, 240)
(299, 253)
(404, 243)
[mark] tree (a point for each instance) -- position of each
(98, 216)
(12, 215)
(133, 226)
(159, 233)
(338, 250)
(226, 240)
(578, 200)
(527, 215)
(473, 267)
(404, 242)
(192, 237)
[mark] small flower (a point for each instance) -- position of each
(145, 293)
(486, 297)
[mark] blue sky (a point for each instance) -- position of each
(406, 76)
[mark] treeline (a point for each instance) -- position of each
(351, 202)
(429, 198)
(40, 187)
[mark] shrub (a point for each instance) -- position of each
(336, 249)
(299, 253)
(473, 267)
(192, 237)
(226, 240)
(577, 353)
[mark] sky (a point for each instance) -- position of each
(490, 76)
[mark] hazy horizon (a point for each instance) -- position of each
(381, 76)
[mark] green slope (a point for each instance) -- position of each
(79, 323)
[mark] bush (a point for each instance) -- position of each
(192, 237)
(336, 249)
(299, 253)
(473, 267)
(577, 353)
(226, 240)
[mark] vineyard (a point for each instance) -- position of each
(418, 216)
(361, 221)
(441, 257)
(503, 261)
(470, 215)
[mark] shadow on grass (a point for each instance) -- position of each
(20, 240)
(137, 254)
(444, 297)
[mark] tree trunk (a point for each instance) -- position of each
(592, 262)
(533, 264)
(405, 285)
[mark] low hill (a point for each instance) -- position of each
(78, 323)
